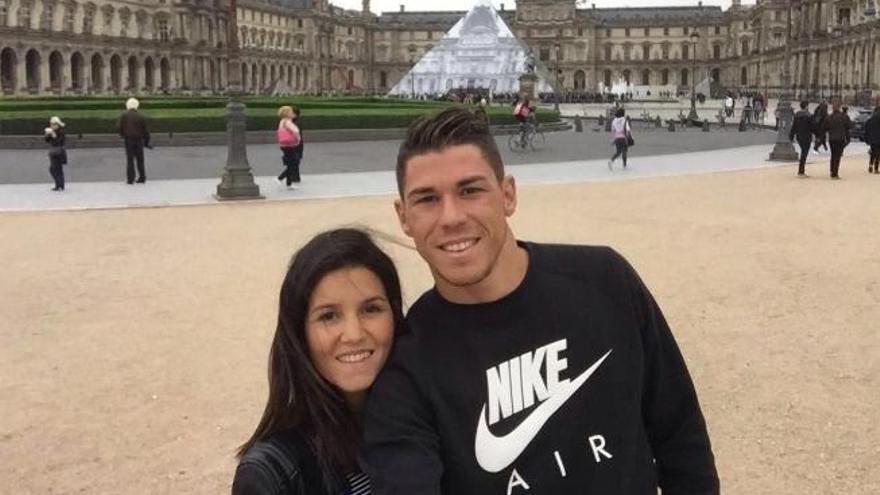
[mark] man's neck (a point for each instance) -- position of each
(506, 275)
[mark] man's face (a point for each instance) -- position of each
(455, 210)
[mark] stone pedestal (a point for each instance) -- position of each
(527, 84)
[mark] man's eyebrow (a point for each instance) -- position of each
(420, 191)
(467, 181)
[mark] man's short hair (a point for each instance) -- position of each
(804, 104)
(438, 131)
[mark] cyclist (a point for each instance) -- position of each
(523, 111)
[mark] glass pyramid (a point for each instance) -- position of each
(479, 52)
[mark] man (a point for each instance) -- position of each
(872, 139)
(819, 116)
(802, 129)
(528, 368)
(133, 129)
(837, 126)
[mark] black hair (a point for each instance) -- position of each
(804, 104)
(299, 397)
(451, 127)
(620, 112)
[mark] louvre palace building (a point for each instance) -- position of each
(65, 47)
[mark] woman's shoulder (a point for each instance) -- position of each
(273, 465)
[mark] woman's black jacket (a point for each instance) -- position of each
(282, 464)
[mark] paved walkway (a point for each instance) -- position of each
(156, 193)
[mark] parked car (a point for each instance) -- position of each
(858, 130)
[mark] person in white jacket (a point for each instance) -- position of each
(620, 132)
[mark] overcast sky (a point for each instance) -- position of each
(378, 6)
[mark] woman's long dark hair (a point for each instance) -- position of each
(299, 397)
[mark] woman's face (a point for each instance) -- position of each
(349, 329)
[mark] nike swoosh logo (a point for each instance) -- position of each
(496, 453)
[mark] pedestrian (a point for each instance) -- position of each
(819, 116)
(728, 106)
(837, 126)
(484, 393)
(481, 113)
(290, 142)
(802, 130)
(54, 135)
(872, 138)
(621, 137)
(133, 130)
(340, 312)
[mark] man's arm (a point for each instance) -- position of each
(145, 130)
(401, 449)
(670, 409)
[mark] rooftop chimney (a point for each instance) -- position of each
(700, 4)
(594, 6)
(502, 7)
(402, 7)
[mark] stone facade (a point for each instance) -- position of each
(179, 46)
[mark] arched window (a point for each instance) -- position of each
(684, 77)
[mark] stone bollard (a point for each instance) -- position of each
(657, 122)
(609, 119)
(705, 125)
(601, 121)
(671, 126)
(578, 124)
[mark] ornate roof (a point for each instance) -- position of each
(294, 4)
(444, 18)
(652, 15)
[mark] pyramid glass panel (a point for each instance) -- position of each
(479, 52)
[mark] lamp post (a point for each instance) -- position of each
(556, 48)
(783, 150)
(870, 12)
(412, 82)
(238, 180)
(692, 116)
(834, 88)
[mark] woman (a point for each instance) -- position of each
(290, 141)
(57, 154)
(340, 310)
(621, 133)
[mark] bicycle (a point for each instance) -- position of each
(721, 117)
(529, 137)
(647, 122)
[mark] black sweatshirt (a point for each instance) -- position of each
(572, 383)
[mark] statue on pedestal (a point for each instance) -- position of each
(530, 62)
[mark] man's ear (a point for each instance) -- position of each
(400, 209)
(508, 190)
